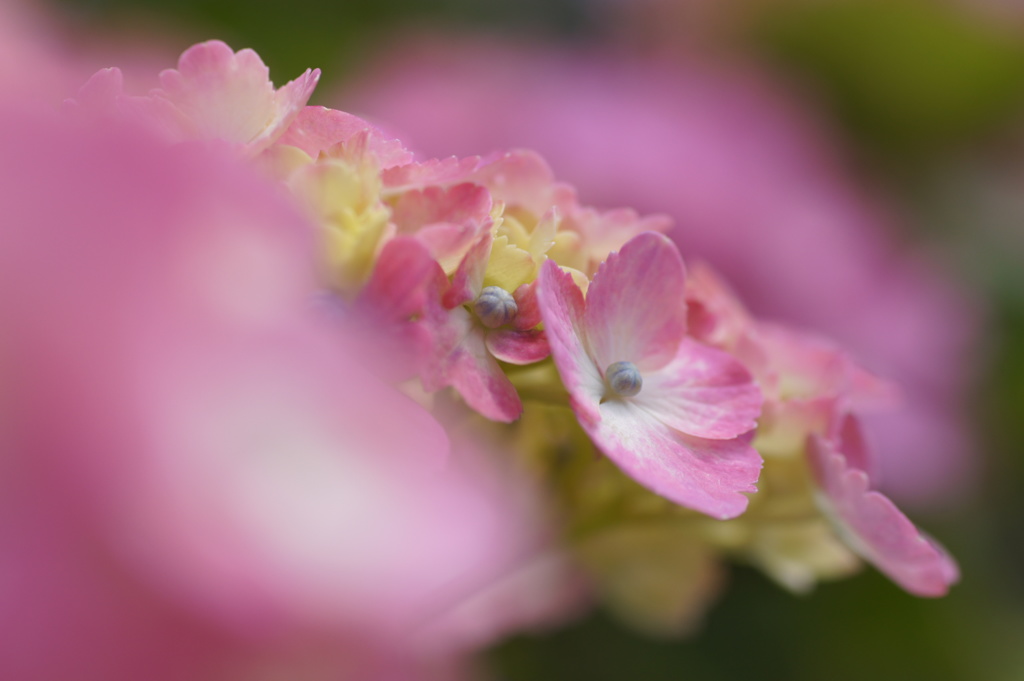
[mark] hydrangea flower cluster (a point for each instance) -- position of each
(669, 428)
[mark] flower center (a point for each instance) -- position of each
(623, 378)
(495, 307)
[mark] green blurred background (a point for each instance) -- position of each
(928, 99)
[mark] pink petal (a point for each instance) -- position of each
(562, 307)
(479, 379)
(875, 528)
(221, 97)
(606, 232)
(702, 392)
(523, 178)
(289, 102)
(396, 289)
(228, 96)
(635, 306)
(102, 97)
(100, 92)
(785, 424)
(529, 308)
(457, 204)
(706, 475)
(391, 305)
(468, 278)
(518, 347)
(461, 360)
(449, 243)
(869, 392)
(437, 171)
(318, 128)
(714, 312)
(808, 366)
(447, 219)
(855, 448)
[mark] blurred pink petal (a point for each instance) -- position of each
(101, 90)
(875, 528)
(388, 322)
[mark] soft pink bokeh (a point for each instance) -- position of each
(199, 482)
(755, 188)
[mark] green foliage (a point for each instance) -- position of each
(863, 628)
(909, 76)
(335, 36)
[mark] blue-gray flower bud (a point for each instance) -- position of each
(624, 378)
(495, 307)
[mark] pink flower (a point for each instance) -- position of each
(469, 342)
(754, 186)
(448, 333)
(870, 524)
(472, 322)
(215, 94)
(667, 410)
(316, 129)
(508, 321)
(223, 95)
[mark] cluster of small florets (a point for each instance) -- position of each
(574, 332)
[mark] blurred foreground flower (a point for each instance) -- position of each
(199, 481)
